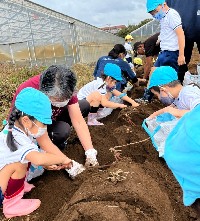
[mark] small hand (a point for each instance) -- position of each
(142, 79)
(135, 104)
(122, 105)
(52, 167)
(67, 164)
(181, 60)
(161, 111)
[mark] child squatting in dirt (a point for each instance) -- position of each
(99, 91)
(28, 120)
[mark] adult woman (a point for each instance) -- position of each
(116, 56)
(58, 83)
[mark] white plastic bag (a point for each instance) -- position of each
(198, 68)
(34, 171)
(191, 78)
(158, 129)
(104, 112)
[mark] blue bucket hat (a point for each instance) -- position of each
(113, 71)
(162, 75)
(34, 103)
(153, 4)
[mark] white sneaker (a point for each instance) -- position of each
(94, 122)
(76, 169)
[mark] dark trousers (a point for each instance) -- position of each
(168, 58)
(60, 129)
(189, 44)
(129, 60)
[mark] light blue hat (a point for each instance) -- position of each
(113, 71)
(34, 103)
(162, 75)
(153, 4)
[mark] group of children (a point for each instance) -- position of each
(181, 101)
(43, 110)
(46, 106)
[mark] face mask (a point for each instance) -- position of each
(129, 42)
(167, 100)
(159, 15)
(60, 104)
(41, 131)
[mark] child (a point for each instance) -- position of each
(28, 119)
(165, 85)
(116, 56)
(129, 48)
(99, 91)
(189, 12)
(172, 39)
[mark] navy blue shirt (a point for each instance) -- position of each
(127, 73)
(189, 11)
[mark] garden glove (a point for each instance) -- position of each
(76, 169)
(91, 159)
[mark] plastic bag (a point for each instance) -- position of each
(128, 87)
(159, 128)
(191, 78)
(34, 171)
(104, 112)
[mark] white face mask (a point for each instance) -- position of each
(60, 104)
(41, 131)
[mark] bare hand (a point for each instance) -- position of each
(135, 104)
(67, 164)
(142, 79)
(53, 167)
(181, 60)
(122, 105)
(169, 109)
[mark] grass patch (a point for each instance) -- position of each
(12, 76)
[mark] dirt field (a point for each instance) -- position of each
(138, 187)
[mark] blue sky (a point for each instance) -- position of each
(100, 13)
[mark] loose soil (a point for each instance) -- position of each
(135, 185)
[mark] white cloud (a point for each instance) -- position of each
(100, 12)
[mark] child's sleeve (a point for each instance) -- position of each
(174, 20)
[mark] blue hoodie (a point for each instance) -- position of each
(127, 73)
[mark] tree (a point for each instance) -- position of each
(125, 31)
